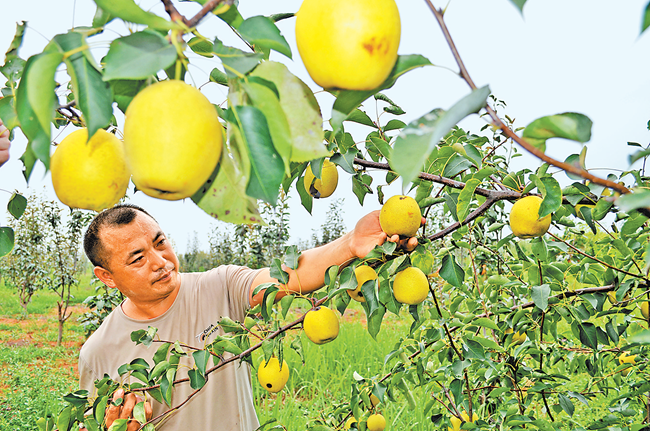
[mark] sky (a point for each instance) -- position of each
(581, 56)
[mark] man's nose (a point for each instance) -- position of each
(158, 260)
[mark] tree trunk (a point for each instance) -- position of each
(58, 341)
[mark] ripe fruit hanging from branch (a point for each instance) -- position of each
(410, 286)
(400, 215)
(172, 138)
(321, 325)
(348, 44)
(376, 422)
(456, 422)
(325, 186)
(524, 218)
(91, 174)
(363, 274)
(271, 376)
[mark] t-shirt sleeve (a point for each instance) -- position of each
(238, 281)
(86, 376)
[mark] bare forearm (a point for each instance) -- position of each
(312, 265)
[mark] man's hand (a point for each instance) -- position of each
(367, 234)
(125, 410)
(5, 143)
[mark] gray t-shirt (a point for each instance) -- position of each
(226, 401)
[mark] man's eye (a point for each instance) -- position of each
(161, 242)
(136, 260)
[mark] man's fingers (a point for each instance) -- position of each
(411, 244)
(148, 411)
(133, 425)
(129, 403)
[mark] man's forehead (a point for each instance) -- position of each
(142, 227)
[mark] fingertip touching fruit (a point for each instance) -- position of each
(348, 44)
(90, 174)
(325, 186)
(524, 218)
(376, 422)
(400, 215)
(321, 325)
(172, 139)
(363, 274)
(410, 286)
(271, 376)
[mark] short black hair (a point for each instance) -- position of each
(119, 215)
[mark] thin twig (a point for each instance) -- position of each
(208, 7)
(174, 14)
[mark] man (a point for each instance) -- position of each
(131, 253)
(5, 143)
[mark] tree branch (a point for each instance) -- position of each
(173, 13)
(209, 6)
(509, 132)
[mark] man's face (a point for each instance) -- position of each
(141, 262)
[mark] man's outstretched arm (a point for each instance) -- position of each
(313, 263)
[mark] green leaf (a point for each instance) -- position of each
(569, 125)
(520, 5)
(201, 47)
(301, 110)
(291, 256)
(197, 380)
(465, 198)
(306, 199)
(552, 196)
(264, 99)
(381, 146)
(262, 32)
(369, 293)
(120, 424)
(645, 23)
(640, 198)
(131, 12)
(94, 96)
(451, 271)
(540, 296)
(642, 337)
(201, 358)
(219, 77)
(348, 100)
(394, 125)
(236, 62)
(224, 196)
(361, 186)
(267, 168)
(358, 116)
(35, 102)
(419, 138)
(16, 205)
(63, 420)
(124, 90)
(278, 273)
(474, 350)
(375, 319)
(423, 259)
(485, 323)
(12, 51)
(566, 404)
(8, 113)
(138, 56)
(101, 18)
(588, 335)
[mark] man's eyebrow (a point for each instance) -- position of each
(158, 235)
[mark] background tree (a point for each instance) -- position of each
(64, 255)
(26, 267)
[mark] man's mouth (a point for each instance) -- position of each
(165, 276)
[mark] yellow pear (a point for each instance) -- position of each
(524, 218)
(325, 186)
(271, 376)
(517, 338)
(321, 325)
(172, 138)
(89, 174)
(410, 286)
(376, 422)
(645, 310)
(348, 44)
(626, 358)
(363, 274)
(456, 422)
(349, 422)
(400, 215)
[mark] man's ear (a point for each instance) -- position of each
(105, 276)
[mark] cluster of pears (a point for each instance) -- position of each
(400, 215)
(172, 144)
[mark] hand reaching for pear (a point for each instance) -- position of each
(368, 233)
